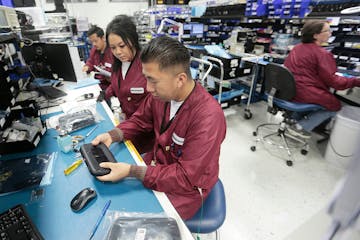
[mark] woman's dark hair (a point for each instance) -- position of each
(95, 29)
(123, 26)
(167, 52)
(309, 29)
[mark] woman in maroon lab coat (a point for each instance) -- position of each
(189, 127)
(128, 83)
(314, 70)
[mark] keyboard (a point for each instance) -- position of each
(15, 224)
(50, 92)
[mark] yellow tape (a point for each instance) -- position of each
(132, 149)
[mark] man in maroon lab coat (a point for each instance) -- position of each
(188, 124)
(100, 55)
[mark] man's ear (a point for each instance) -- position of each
(182, 79)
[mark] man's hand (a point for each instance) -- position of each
(104, 138)
(85, 68)
(118, 171)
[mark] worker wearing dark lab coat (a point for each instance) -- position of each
(131, 89)
(189, 127)
(100, 56)
(128, 83)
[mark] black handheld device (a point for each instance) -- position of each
(94, 155)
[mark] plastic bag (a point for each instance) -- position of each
(74, 119)
(142, 226)
(26, 172)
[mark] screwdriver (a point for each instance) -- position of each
(73, 166)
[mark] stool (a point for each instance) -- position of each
(214, 212)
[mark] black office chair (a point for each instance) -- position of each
(280, 88)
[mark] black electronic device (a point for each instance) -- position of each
(82, 199)
(50, 60)
(94, 155)
(15, 224)
(50, 92)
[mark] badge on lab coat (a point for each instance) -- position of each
(108, 65)
(138, 90)
(178, 140)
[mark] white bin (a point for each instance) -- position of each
(345, 137)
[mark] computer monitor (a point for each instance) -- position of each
(51, 60)
(197, 29)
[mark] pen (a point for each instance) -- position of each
(100, 218)
(91, 131)
(73, 166)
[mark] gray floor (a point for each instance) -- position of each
(266, 199)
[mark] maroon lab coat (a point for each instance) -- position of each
(132, 90)
(103, 60)
(314, 71)
(186, 153)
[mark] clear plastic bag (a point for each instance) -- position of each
(142, 226)
(27, 172)
(74, 119)
(77, 120)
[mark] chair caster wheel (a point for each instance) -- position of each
(304, 151)
(289, 163)
(254, 134)
(253, 148)
(247, 114)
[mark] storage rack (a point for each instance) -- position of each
(13, 79)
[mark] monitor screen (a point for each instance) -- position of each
(50, 60)
(187, 27)
(7, 3)
(3, 21)
(197, 29)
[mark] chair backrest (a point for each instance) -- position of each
(214, 212)
(279, 77)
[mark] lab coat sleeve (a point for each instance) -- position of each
(198, 166)
(140, 122)
(109, 92)
(91, 59)
(327, 70)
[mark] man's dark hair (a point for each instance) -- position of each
(310, 28)
(95, 29)
(167, 52)
(123, 26)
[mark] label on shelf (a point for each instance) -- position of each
(224, 105)
(21, 83)
(2, 122)
(246, 71)
(37, 140)
(43, 130)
